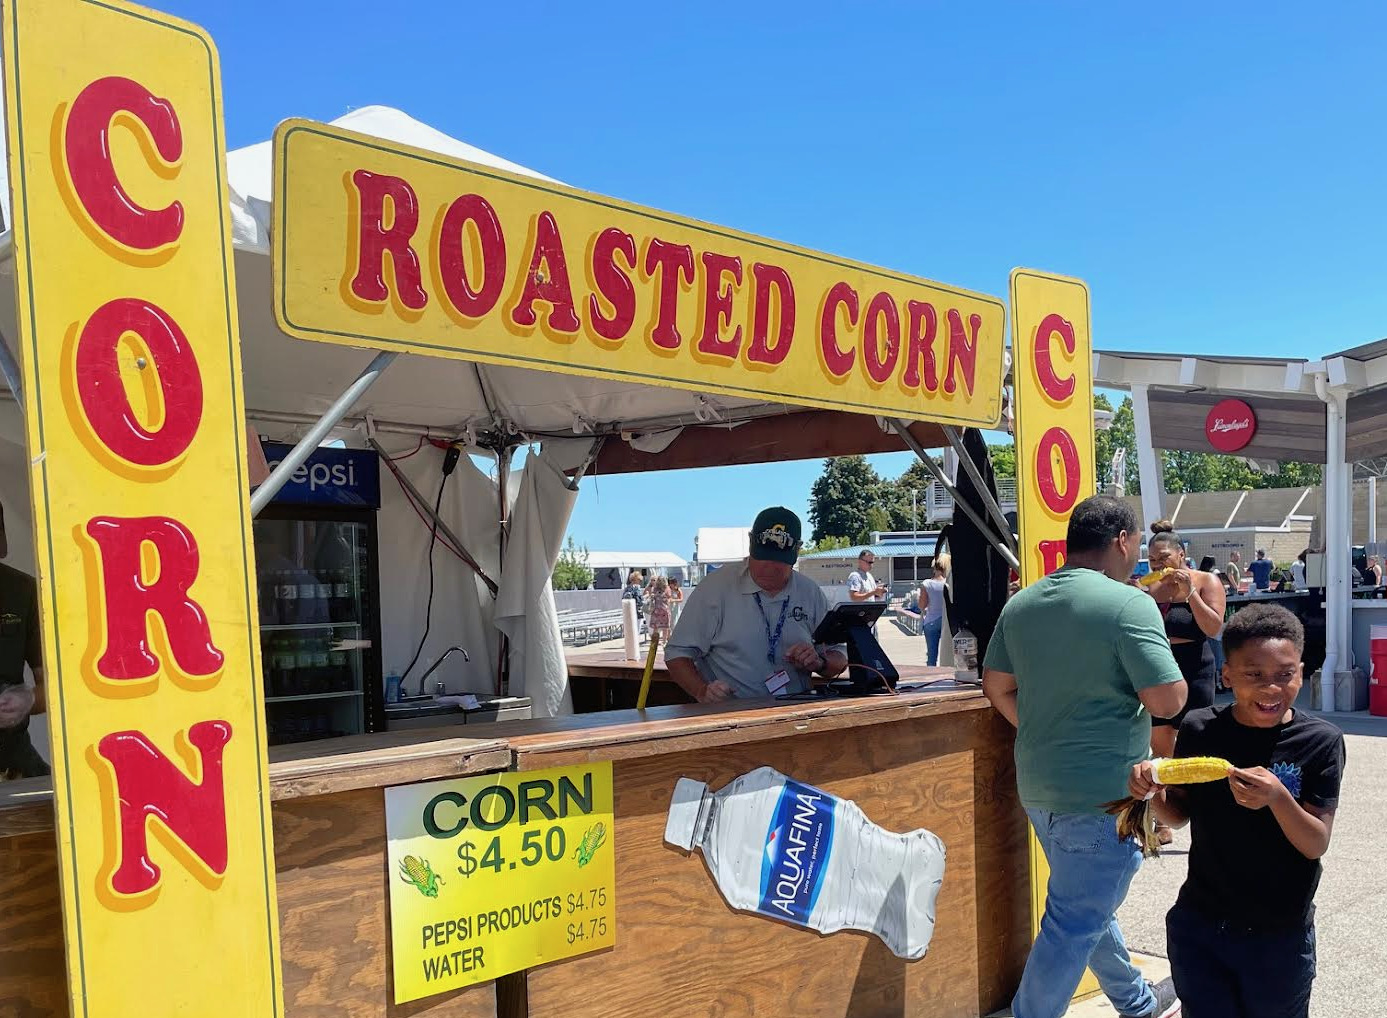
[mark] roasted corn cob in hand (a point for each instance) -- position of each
(1154, 577)
(1135, 819)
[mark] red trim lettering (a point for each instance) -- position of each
(771, 278)
(671, 261)
(375, 241)
(612, 282)
(838, 361)
(919, 352)
(1058, 501)
(1052, 555)
(129, 596)
(1057, 389)
(87, 150)
(717, 304)
(102, 393)
(552, 287)
(452, 266)
(150, 786)
(963, 352)
(881, 363)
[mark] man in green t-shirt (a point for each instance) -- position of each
(1079, 662)
(19, 645)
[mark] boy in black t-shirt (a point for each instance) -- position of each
(1241, 936)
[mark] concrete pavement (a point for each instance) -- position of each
(1351, 920)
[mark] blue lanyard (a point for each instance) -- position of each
(772, 639)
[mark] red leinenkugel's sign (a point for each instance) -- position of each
(1230, 426)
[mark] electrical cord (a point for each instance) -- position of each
(450, 461)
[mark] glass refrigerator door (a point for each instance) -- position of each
(314, 629)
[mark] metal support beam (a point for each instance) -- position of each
(971, 469)
(1003, 547)
(1148, 459)
(587, 463)
(318, 432)
(13, 378)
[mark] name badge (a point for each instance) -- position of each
(778, 681)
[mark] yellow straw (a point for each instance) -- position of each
(649, 667)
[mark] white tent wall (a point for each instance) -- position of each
(462, 605)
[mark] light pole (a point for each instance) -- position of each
(914, 539)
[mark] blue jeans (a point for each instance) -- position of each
(1090, 871)
(1218, 662)
(1222, 972)
(932, 631)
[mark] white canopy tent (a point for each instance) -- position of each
(290, 385)
(1327, 391)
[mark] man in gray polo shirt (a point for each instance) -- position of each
(747, 630)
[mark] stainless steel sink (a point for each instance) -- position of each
(422, 713)
(425, 712)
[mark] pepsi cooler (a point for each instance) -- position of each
(315, 554)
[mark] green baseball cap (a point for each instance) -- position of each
(775, 536)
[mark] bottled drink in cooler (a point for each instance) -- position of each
(322, 679)
(303, 667)
(343, 610)
(288, 597)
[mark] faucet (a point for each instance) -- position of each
(433, 667)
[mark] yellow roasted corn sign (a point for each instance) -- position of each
(388, 247)
(131, 373)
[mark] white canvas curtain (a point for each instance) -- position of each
(525, 609)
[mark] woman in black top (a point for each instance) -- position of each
(1193, 604)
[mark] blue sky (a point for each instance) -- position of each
(1215, 172)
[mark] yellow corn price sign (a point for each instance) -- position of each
(131, 375)
(388, 247)
(1052, 375)
(494, 874)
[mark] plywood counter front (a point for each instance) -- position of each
(937, 759)
(329, 831)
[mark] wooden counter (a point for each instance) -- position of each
(937, 759)
(329, 831)
(604, 680)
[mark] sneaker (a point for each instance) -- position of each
(1167, 1004)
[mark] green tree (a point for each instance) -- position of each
(896, 496)
(1122, 434)
(842, 496)
(827, 544)
(1003, 459)
(878, 519)
(571, 571)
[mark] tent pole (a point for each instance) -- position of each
(262, 495)
(10, 368)
(503, 464)
(1002, 548)
(971, 469)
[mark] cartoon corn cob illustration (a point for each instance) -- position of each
(420, 875)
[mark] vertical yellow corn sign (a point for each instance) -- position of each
(1052, 378)
(133, 412)
(1052, 374)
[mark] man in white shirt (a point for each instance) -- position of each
(862, 585)
(747, 630)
